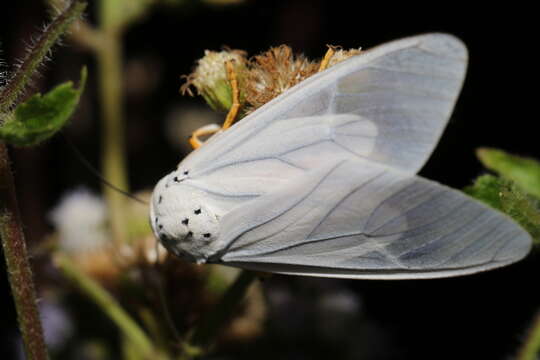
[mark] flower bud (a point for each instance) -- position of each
(210, 77)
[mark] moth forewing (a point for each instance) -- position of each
(321, 180)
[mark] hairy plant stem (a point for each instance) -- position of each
(18, 266)
(106, 302)
(13, 243)
(210, 325)
(36, 54)
(531, 348)
(109, 58)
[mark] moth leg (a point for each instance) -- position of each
(194, 140)
(233, 111)
(324, 63)
(209, 129)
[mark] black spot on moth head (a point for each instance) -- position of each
(207, 235)
(160, 226)
(176, 179)
(160, 199)
(186, 172)
(185, 221)
(197, 211)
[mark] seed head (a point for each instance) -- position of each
(273, 72)
(210, 77)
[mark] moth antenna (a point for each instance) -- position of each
(97, 174)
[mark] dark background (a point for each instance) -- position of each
(483, 316)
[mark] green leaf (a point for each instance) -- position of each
(505, 196)
(525, 172)
(487, 188)
(42, 116)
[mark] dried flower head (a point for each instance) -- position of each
(340, 55)
(273, 72)
(210, 77)
(261, 78)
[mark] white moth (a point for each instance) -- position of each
(321, 180)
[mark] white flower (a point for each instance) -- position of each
(80, 219)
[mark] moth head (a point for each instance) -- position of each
(182, 221)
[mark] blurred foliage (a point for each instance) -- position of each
(515, 191)
(41, 116)
(28, 124)
(504, 195)
(121, 13)
(525, 172)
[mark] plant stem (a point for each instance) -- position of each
(109, 58)
(211, 324)
(36, 55)
(105, 301)
(18, 266)
(531, 347)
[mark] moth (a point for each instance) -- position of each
(321, 181)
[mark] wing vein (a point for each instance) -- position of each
(394, 70)
(343, 199)
(410, 209)
(311, 191)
